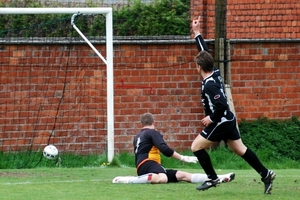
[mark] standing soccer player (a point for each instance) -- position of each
(219, 121)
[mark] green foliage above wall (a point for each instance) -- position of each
(161, 17)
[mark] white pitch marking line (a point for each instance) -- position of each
(65, 181)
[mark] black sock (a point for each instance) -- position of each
(251, 158)
(206, 164)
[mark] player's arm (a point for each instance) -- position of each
(218, 99)
(201, 44)
(160, 143)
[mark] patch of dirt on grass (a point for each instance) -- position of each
(21, 174)
(16, 174)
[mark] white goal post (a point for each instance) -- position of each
(108, 61)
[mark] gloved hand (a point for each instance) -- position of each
(189, 159)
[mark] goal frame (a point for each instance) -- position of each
(109, 56)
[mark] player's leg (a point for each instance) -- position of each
(171, 177)
(191, 178)
(149, 172)
(159, 178)
(198, 148)
(238, 147)
(206, 139)
(195, 178)
(122, 179)
(154, 171)
(146, 178)
(251, 158)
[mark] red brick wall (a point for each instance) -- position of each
(157, 78)
(266, 80)
(251, 19)
(52, 93)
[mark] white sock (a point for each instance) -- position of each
(146, 178)
(198, 178)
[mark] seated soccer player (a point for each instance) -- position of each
(148, 144)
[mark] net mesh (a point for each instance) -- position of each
(50, 91)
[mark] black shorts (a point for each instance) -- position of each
(151, 166)
(223, 130)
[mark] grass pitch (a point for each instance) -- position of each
(95, 183)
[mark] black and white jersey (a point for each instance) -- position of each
(213, 96)
(214, 99)
(147, 146)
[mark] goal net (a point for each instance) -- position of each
(56, 86)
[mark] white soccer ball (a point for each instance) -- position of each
(50, 152)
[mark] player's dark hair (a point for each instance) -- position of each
(205, 61)
(147, 119)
